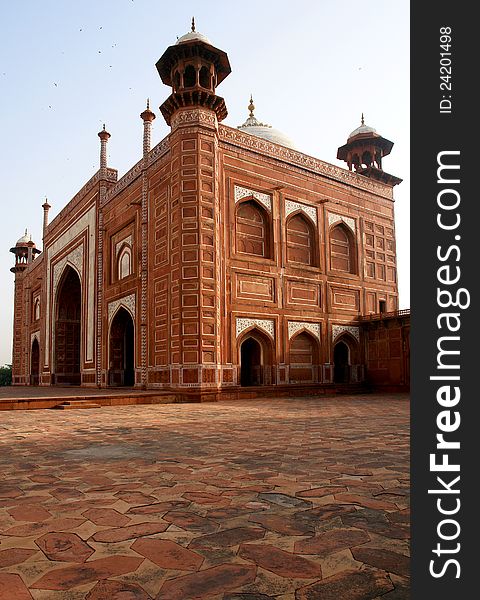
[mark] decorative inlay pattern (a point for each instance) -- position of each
(127, 240)
(339, 329)
(127, 302)
(264, 199)
(310, 211)
(159, 150)
(252, 142)
(75, 258)
(198, 115)
(267, 325)
(294, 326)
(129, 176)
(111, 175)
(333, 218)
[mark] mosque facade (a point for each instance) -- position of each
(224, 259)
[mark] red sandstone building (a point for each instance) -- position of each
(223, 258)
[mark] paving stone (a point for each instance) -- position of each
(283, 525)
(280, 562)
(209, 582)
(29, 512)
(190, 521)
(285, 500)
(247, 596)
(106, 516)
(66, 547)
(15, 556)
(228, 537)
(331, 541)
(364, 584)
(13, 588)
(376, 522)
(158, 507)
(32, 529)
(10, 491)
(117, 590)
(168, 554)
(367, 502)
(383, 559)
(101, 568)
(319, 492)
(136, 498)
(120, 534)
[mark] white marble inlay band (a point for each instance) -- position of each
(291, 206)
(339, 329)
(294, 326)
(264, 199)
(333, 218)
(267, 325)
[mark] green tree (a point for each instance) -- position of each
(6, 375)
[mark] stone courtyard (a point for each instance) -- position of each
(293, 499)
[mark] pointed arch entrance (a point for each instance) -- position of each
(255, 352)
(35, 363)
(341, 360)
(68, 328)
(346, 359)
(122, 350)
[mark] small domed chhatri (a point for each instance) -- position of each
(253, 126)
(364, 151)
(23, 241)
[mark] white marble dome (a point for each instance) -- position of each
(253, 126)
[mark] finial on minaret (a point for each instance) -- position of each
(363, 120)
(148, 103)
(193, 24)
(251, 106)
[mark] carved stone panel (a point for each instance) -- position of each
(310, 211)
(264, 199)
(267, 325)
(339, 329)
(333, 218)
(127, 302)
(294, 326)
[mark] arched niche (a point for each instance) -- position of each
(301, 240)
(304, 354)
(253, 229)
(343, 249)
(121, 350)
(255, 358)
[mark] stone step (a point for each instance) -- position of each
(72, 404)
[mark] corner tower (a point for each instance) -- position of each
(193, 68)
(364, 151)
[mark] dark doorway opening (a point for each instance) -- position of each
(250, 363)
(35, 363)
(67, 329)
(341, 372)
(122, 354)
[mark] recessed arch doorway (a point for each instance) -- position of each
(68, 328)
(122, 350)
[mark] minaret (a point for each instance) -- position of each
(148, 117)
(46, 207)
(104, 136)
(364, 151)
(193, 68)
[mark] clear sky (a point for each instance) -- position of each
(67, 67)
